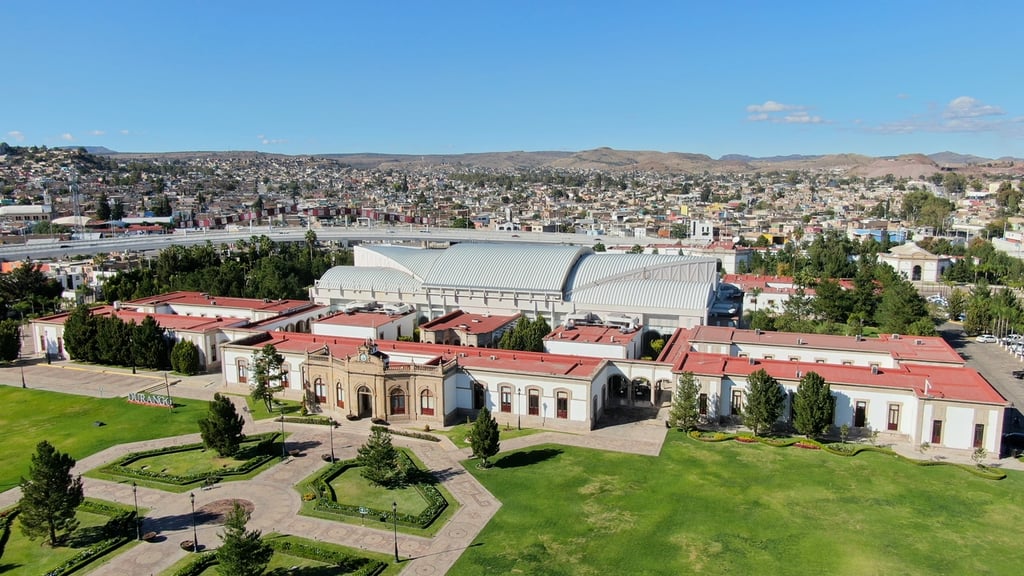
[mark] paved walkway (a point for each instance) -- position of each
(277, 502)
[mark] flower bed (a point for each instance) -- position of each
(122, 466)
(326, 500)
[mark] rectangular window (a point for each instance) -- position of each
(979, 435)
(860, 414)
(847, 362)
(702, 404)
(427, 404)
(819, 360)
(562, 405)
(398, 403)
(737, 402)
(339, 392)
(243, 372)
(506, 399)
(213, 352)
(534, 403)
(894, 417)
(794, 358)
(321, 392)
(936, 431)
(769, 356)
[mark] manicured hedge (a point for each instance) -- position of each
(841, 449)
(201, 562)
(306, 420)
(326, 500)
(120, 467)
(409, 433)
(348, 563)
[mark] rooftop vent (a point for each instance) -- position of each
(800, 341)
(895, 336)
(919, 342)
(757, 331)
(859, 337)
(874, 369)
(750, 360)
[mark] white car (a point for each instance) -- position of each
(986, 339)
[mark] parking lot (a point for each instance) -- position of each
(996, 363)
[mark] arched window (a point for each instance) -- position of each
(915, 273)
(243, 370)
(427, 403)
(397, 401)
(533, 403)
(562, 405)
(339, 393)
(320, 391)
(506, 398)
(286, 370)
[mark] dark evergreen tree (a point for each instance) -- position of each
(103, 207)
(149, 344)
(484, 438)
(80, 334)
(379, 460)
(242, 552)
(221, 428)
(10, 340)
(266, 375)
(765, 401)
(684, 413)
(185, 358)
(50, 495)
(812, 407)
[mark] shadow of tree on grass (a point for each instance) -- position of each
(527, 457)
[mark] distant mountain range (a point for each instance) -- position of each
(608, 159)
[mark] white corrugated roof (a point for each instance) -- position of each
(519, 267)
(352, 278)
(417, 261)
(601, 268)
(647, 294)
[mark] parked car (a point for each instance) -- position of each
(1018, 374)
(986, 339)
(1013, 444)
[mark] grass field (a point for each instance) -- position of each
(458, 434)
(731, 508)
(24, 556)
(68, 422)
(351, 488)
(259, 409)
(196, 461)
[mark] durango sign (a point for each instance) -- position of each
(150, 399)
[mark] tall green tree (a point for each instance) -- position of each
(80, 334)
(221, 428)
(812, 406)
(185, 358)
(765, 401)
(149, 344)
(484, 438)
(379, 459)
(266, 375)
(50, 495)
(684, 413)
(10, 340)
(103, 207)
(242, 552)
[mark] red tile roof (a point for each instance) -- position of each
(174, 322)
(606, 335)
(510, 360)
(360, 319)
(468, 323)
(199, 299)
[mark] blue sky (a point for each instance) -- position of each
(757, 78)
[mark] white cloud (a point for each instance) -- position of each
(97, 133)
(16, 135)
(67, 137)
(777, 112)
(123, 132)
(772, 106)
(269, 141)
(962, 114)
(801, 118)
(967, 107)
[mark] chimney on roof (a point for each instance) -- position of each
(874, 368)
(859, 337)
(757, 331)
(750, 360)
(800, 341)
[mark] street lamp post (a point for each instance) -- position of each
(284, 453)
(332, 440)
(519, 408)
(138, 521)
(394, 521)
(195, 535)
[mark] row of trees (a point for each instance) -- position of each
(109, 340)
(257, 268)
(26, 291)
(527, 335)
(766, 399)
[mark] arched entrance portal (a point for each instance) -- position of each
(365, 402)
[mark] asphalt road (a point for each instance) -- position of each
(995, 363)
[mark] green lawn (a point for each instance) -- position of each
(458, 434)
(195, 461)
(24, 556)
(259, 409)
(351, 488)
(731, 508)
(68, 422)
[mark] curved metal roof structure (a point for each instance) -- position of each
(646, 294)
(599, 269)
(520, 268)
(353, 278)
